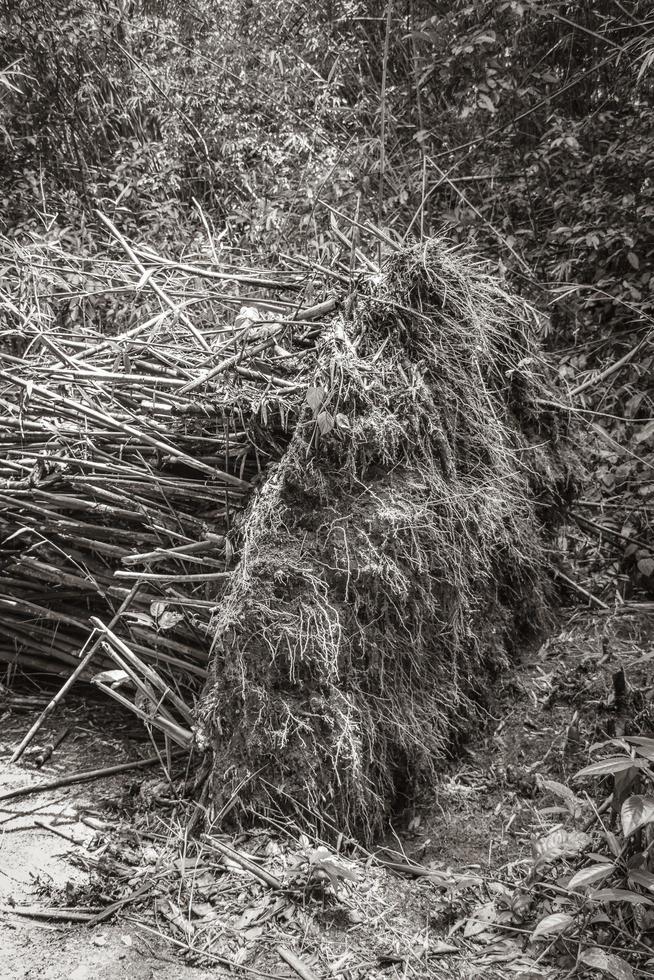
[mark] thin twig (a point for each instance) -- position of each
(580, 589)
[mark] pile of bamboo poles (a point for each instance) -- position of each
(125, 460)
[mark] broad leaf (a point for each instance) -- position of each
(553, 925)
(637, 812)
(618, 895)
(625, 783)
(643, 746)
(606, 767)
(315, 398)
(322, 860)
(246, 316)
(482, 918)
(164, 620)
(564, 793)
(643, 878)
(112, 677)
(169, 619)
(325, 422)
(560, 843)
(599, 959)
(590, 876)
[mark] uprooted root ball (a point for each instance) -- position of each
(392, 552)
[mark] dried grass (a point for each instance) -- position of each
(394, 552)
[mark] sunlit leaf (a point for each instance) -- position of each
(606, 767)
(563, 792)
(641, 744)
(246, 316)
(169, 619)
(560, 843)
(590, 876)
(315, 397)
(480, 919)
(645, 433)
(643, 878)
(637, 811)
(611, 963)
(553, 925)
(164, 619)
(325, 422)
(113, 678)
(618, 895)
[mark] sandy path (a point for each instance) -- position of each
(35, 862)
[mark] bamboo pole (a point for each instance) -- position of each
(86, 659)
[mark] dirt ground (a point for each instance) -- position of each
(479, 820)
(39, 868)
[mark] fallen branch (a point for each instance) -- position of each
(128, 900)
(44, 825)
(603, 375)
(244, 862)
(79, 777)
(296, 964)
(48, 750)
(580, 590)
(188, 948)
(49, 708)
(47, 915)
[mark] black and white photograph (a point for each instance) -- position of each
(326, 490)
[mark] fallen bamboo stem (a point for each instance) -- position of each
(112, 461)
(49, 708)
(121, 903)
(48, 915)
(295, 963)
(207, 954)
(174, 732)
(80, 777)
(176, 309)
(163, 578)
(94, 414)
(580, 590)
(244, 862)
(44, 825)
(150, 674)
(48, 750)
(603, 375)
(224, 365)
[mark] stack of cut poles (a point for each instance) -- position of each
(125, 461)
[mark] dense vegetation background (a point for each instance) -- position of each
(521, 128)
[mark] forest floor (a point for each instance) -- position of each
(473, 836)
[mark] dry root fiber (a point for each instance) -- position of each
(393, 552)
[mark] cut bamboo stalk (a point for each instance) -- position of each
(225, 365)
(176, 309)
(178, 735)
(213, 541)
(119, 453)
(79, 777)
(94, 414)
(150, 674)
(86, 659)
(170, 578)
